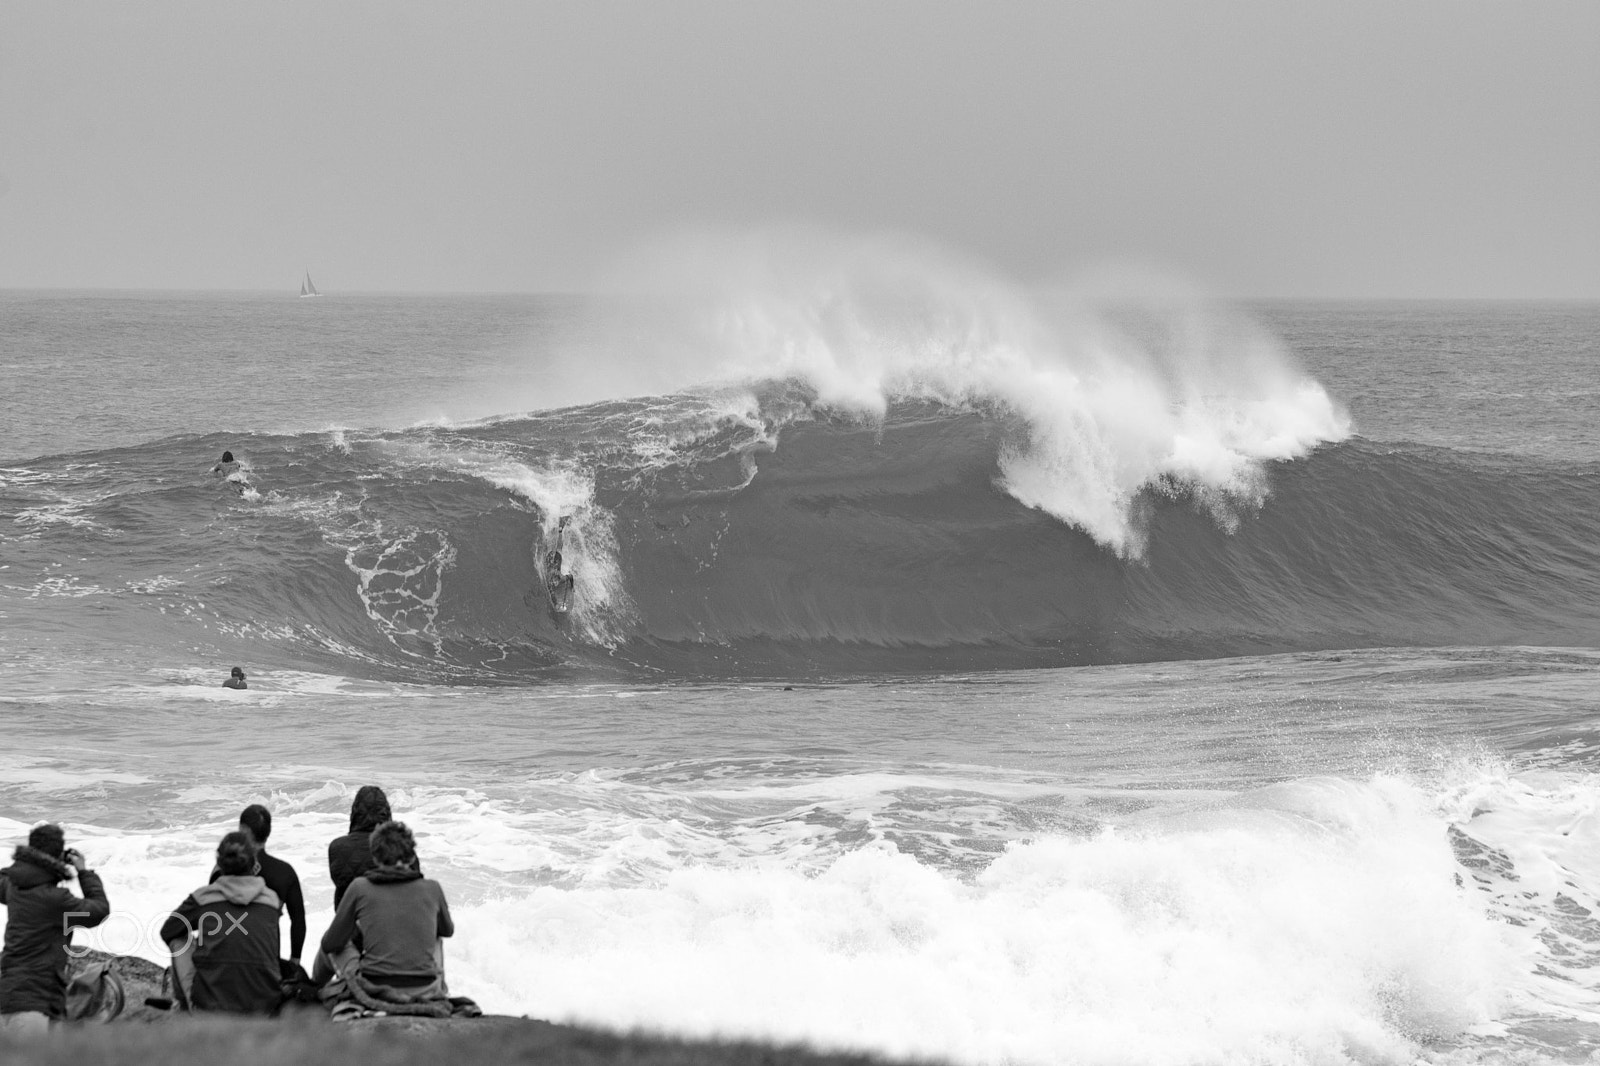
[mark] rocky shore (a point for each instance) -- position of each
(145, 1036)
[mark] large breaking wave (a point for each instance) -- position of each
(859, 457)
(1101, 394)
(723, 534)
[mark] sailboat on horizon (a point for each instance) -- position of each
(307, 288)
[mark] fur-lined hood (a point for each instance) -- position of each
(31, 868)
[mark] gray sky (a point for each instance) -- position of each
(1342, 148)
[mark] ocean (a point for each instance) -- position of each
(985, 676)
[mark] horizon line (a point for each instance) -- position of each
(578, 294)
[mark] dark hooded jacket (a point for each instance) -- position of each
(236, 946)
(40, 917)
(350, 856)
(285, 883)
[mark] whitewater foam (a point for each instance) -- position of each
(1322, 920)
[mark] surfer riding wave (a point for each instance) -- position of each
(558, 585)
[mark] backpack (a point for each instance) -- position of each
(296, 987)
(94, 994)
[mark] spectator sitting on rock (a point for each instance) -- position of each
(349, 856)
(224, 937)
(402, 916)
(256, 821)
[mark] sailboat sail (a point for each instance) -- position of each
(307, 287)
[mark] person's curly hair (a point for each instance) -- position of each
(393, 845)
(236, 854)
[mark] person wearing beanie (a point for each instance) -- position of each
(224, 937)
(40, 918)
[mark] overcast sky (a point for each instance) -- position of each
(1339, 148)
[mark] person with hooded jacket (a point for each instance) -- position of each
(40, 918)
(350, 856)
(224, 937)
(402, 917)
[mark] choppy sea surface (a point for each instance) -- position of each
(983, 676)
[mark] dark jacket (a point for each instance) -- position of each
(236, 951)
(350, 856)
(285, 884)
(401, 916)
(40, 917)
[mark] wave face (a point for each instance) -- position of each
(763, 533)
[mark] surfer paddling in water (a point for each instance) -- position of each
(232, 471)
(557, 584)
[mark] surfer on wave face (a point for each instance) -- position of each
(557, 584)
(228, 465)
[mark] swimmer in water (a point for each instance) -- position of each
(228, 466)
(236, 679)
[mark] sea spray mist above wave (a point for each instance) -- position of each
(1112, 391)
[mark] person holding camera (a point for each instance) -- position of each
(40, 918)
